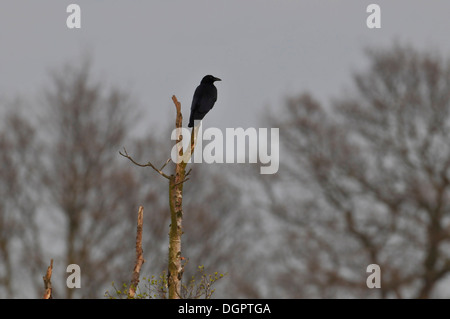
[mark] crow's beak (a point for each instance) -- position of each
(217, 79)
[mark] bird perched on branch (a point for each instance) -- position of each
(204, 98)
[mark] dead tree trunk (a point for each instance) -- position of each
(175, 271)
(176, 181)
(139, 254)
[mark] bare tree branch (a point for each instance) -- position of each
(167, 162)
(149, 164)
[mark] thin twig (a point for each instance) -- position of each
(149, 164)
(185, 180)
(167, 162)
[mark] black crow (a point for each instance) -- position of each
(204, 98)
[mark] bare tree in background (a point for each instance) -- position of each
(88, 187)
(368, 182)
(19, 235)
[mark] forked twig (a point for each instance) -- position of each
(149, 164)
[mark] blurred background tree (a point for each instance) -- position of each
(19, 230)
(93, 194)
(371, 176)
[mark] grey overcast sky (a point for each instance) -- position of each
(263, 50)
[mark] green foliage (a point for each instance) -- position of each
(199, 286)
